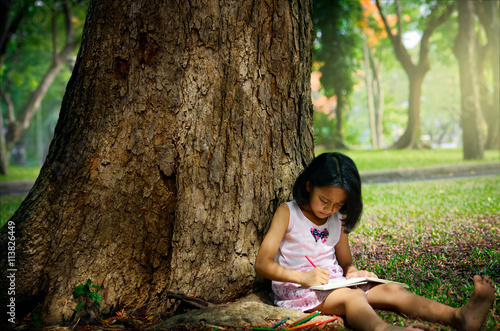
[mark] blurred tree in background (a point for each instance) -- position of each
(39, 40)
(435, 14)
(337, 49)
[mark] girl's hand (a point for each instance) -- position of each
(317, 276)
(359, 273)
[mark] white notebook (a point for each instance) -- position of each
(354, 281)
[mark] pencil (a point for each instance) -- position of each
(283, 321)
(313, 323)
(308, 259)
(305, 319)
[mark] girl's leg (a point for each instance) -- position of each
(468, 317)
(353, 304)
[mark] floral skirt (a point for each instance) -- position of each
(293, 296)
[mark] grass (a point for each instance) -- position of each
(8, 205)
(365, 160)
(433, 235)
(397, 159)
(20, 173)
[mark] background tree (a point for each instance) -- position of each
(439, 13)
(338, 50)
(25, 35)
(488, 64)
(374, 34)
(182, 128)
(465, 50)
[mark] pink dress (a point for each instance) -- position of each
(302, 238)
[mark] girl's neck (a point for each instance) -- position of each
(306, 210)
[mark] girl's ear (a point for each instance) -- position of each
(308, 186)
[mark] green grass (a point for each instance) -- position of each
(8, 205)
(397, 159)
(433, 235)
(365, 160)
(20, 173)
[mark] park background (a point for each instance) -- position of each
(361, 97)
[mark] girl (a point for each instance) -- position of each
(316, 224)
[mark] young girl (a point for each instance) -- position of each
(316, 224)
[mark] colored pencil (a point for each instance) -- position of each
(308, 259)
(283, 321)
(313, 323)
(305, 319)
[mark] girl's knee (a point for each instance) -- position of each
(392, 288)
(337, 301)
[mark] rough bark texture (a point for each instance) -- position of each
(465, 50)
(182, 128)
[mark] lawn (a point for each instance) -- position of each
(434, 235)
(408, 158)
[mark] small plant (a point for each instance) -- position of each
(35, 320)
(88, 296)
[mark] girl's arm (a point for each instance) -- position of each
(265, 265)
(344, 257)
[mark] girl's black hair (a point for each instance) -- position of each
(333, 169)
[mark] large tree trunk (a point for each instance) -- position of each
(182, 129)
(465, 50)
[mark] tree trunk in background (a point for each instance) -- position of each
(415, 71)
(370, 97)
(182, 128)
(490, 100)
(465, 51)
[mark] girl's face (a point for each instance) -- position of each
(325, 201)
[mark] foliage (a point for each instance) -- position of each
(28, 56)
(88, 295)
(337, 44)
(35, 320)
(337, 50)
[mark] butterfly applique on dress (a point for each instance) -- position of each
(323, 235)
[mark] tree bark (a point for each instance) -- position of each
(182, 129)
(465, 51)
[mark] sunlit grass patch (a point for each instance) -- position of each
(8, 205)
(367, 160)
(20, 173)
(433, 235)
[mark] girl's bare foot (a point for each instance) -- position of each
(419, 326)
(471, 316)
(413, 327)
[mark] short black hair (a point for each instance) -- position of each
(333, 169)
